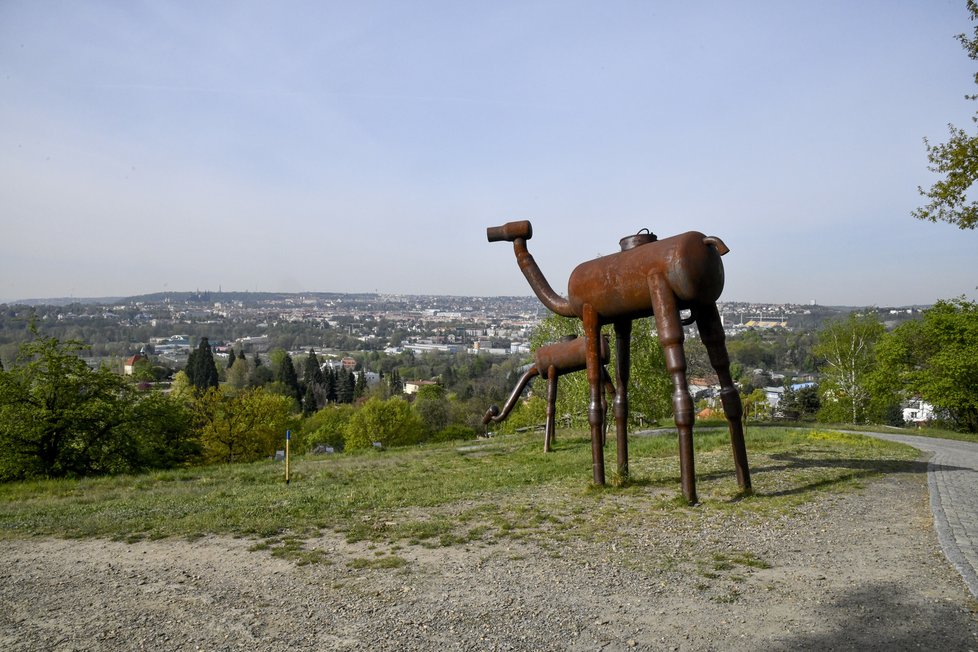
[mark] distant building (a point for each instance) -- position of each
(917, 411)
(129, 367)
(773, 396)
(412, 386)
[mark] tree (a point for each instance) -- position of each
(237, 376)
(313, 379)
(956, 160)
(432, 405)
(327, 426)
(801, 404)
(360, 387)
(329, 381)
(756, 407)
(391, 423)
(395, 384)
(649, 390)
(201, 368)
(847, 347)
(231, 358)
(312, 373)
(650, 387)
(59, 417)
(287, 376)
(309, 400)
(936, 358)
(242, 427)
(344, 386)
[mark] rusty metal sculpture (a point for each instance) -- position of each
(648, 277)
(553, 360)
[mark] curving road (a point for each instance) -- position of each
(952, 475)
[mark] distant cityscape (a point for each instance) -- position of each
(501, 325)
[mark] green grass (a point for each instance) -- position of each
(447, 494)
(926, 431)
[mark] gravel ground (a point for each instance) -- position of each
(860, 571)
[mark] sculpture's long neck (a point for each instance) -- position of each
(496, 416)
(553, 301)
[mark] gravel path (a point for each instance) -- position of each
(860, 571)
(951, 476)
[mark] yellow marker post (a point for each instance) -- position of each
(288, 436)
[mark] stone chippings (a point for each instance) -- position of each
(855, 571)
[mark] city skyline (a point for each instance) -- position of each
(365, 148)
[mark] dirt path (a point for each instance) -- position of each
(861, 571)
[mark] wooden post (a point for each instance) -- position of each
(288, 436)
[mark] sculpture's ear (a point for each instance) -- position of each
(716, 242)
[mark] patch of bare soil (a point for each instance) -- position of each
(861, 571)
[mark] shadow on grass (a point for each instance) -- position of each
(858, 469)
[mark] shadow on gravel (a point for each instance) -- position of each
(858, 469)
(884, 616)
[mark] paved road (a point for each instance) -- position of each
(951, 475)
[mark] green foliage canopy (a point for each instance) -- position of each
(59, 417)
(391, 422)
(936, 358)
(243, 426)
(847, 348)
(957, 162)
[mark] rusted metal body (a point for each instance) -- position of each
(649, 277)
(565, 356)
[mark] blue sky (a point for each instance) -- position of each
(366, 146)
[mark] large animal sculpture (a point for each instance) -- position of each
(552, 361)
(648, 277)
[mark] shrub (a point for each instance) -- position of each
(391, 422)
(453, 432)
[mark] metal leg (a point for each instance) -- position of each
(670, 330)
(623, 367)
(548, 438)
(595, 417)
(711, 330)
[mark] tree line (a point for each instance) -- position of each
(61, 418)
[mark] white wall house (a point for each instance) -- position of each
(917, 411)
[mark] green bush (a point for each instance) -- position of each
(391, 422)
(327, 426)
(454, 432)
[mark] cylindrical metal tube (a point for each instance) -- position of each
(510, 231)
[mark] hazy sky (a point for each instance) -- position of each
(366, 146)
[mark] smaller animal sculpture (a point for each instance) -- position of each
(565, 356)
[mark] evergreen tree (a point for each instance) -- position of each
(312, 374)
(288, 377)
(231, 358)
(257, 360)
(329, 382)
(396, 386)
(360, 388)
(344, 387)
(201, 368)
(309, 400)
